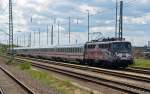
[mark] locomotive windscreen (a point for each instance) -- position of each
(123, 47)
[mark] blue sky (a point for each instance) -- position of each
(102, 19)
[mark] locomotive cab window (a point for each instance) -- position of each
(91, 46)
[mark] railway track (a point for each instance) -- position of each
(138, 70)
(19, 83)
(118, 85)
(1, 91)
(118, 73)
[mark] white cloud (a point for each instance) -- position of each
(144, 19)
(102, 29)
(145, 1)
(92, 9)
(132, 20)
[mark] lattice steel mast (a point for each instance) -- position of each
(11, 46)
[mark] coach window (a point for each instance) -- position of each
(105, 46)
(55, 49)
(45, 50)
(64, 49)
(71, 50)
(78, 50)
(100, 45)
(74, 50)
(61, 49)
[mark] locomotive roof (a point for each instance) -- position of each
(57, 46)
(103, 42)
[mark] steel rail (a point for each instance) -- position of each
(26, 88)
(124, 87)
(1, 91)
(98, 70)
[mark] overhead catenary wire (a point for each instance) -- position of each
(62, 24)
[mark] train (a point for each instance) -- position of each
(112, 53)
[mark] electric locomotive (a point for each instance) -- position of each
(109, 52)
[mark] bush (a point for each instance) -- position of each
(10, 61)
(25, 65)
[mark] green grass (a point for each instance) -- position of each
(64, 87)
(144, 63)
(25, 65)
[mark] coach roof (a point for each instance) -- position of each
(58, 46)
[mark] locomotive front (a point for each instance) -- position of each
(122, 53)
